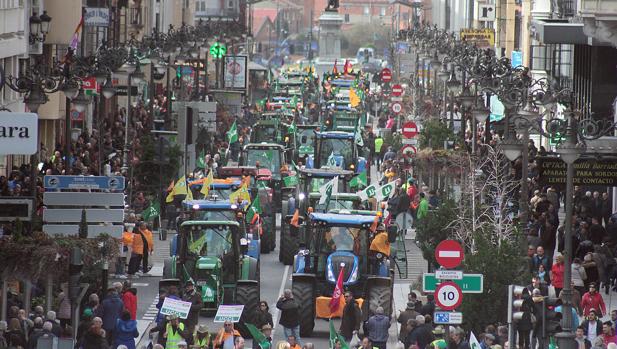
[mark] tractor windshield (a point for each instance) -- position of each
(264, 133)
(216, 215)
(337, 147)
(211, 241)
(343, 239)
(306, 137)
(335, 204)
(267, 158)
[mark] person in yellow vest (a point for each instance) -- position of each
(378, 145)
(201, 338)
(225, 337)
(174, 333)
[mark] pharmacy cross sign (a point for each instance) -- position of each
(218, 50)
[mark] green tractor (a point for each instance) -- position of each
(213, 254)
(304, 142)
(309, 182)
(270, 156)
(340, 241)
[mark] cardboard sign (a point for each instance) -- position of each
(228, 313)
(176, 307)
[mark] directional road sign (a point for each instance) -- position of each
(386, 75)
(470, 283)
(84, 182)
(410, 129)
(448, 296)
(447, 318)
(449, 274)
(449, 254)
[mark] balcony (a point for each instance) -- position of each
(600, 20)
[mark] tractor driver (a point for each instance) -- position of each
(379, 244)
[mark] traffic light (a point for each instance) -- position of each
(75, 266)
(551, 319)
(516, 297)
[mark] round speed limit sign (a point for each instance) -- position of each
(396, 108)
(448, 295)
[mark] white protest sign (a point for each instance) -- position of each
(176, 307)
(228, 313)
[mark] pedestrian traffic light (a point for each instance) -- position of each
(75, 266)
(516, 298)
(551, 319)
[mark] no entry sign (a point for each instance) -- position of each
(410, 129)
(397, 90)
(449, 254)
(396, 107)
(448, 296)
(386, 75)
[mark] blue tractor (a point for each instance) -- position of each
(337, 149)
(341, 241)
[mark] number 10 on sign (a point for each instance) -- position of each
(448, 296)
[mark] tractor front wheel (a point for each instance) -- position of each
(304, 293)
(248, 295)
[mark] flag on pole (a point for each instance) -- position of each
(201, 160)
(335, 69)
(258, 337)
(359, 180)
(375, 223)
(295, 219)
(242, 194)
(180, 187)
(152, 211)
(335, 337)
(170, 192)
(358, 136)
(232, 134)
(327, 190)
(254, 209)
(331, 160)
(385, 191)
(335, 301)
(354, 99)
(347, 67)
(290, 181)
(205, 186)
(473, 341)
(77, 34)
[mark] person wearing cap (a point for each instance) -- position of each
(201, 338)
(267, 332)
(593, 300)
(592, 326)
(191, 295)
(409, 313)
(439, 342)
(225, 338)
(182, 345)
(84, 325)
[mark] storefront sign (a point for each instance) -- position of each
(482, 38)
(18, 133)
(586, 172)
(96, 16)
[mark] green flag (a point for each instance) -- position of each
(327, 190)
(258, 337)
(292, 128)
(358, 181)
(290, 181)
(331, 160)
(201, 160)
(334, 337)
(358, 136)
(255, 208)
(232, 134)
(152, 211)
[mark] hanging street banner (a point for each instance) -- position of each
(586, 172)
(482, 38)
(176, 307)
(236, 72)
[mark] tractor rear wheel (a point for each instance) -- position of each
(304, 293)
(379, 295)
(248, 295)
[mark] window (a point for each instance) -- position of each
(366, 11)
(347, 18)
(382, 11)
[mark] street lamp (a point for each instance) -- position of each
(481, 114)
(81, 101)
(511, 148)
(39, 27)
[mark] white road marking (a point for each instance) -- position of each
(140, 284)
(281, 289)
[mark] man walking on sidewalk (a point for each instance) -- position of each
(377, 327)
(142, 246)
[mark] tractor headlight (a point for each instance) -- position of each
(195, 207)
(331, 276)
(301, 196)
(234, 206)
(354, 275)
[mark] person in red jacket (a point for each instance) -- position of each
(593, 300)
(129, 298)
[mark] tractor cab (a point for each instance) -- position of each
(220, 189)
(213, 254)
(338, 201)
(305, 141)
(336, 149)
(270, 156)
(342, 244)
(222, 210)
(309, 181)
(271, 127)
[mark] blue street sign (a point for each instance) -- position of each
(447, 318)
(516, 59)
(84, 182)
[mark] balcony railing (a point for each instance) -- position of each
(217, 12)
